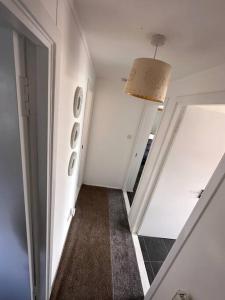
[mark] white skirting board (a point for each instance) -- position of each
(139, 256)
(127, 203)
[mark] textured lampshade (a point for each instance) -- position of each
(148, 79)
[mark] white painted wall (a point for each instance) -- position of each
(115, 117)
(195, 153)
(75, 69)
(51, 7)
(199, 268)
(210, 80)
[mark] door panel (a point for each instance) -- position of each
(14, 261)
(34, 140)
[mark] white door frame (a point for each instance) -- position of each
(19, 59)
(144, 129)
(36, 20)
(172, 117)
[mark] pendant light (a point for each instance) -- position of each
(149, 77)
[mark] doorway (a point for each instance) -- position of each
(150, 120)
(187, 150)
(141, 168)
(197, 149)
(26, 116)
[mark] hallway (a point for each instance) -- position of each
(98, 260)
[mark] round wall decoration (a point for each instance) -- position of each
(72, 163)
(77, 104)
(74, 134)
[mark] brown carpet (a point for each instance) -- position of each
(98, 260)
(125, 272)
(85, 269)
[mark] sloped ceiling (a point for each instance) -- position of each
(117, 31)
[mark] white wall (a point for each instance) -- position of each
(51, 6)
(199, 268)
(75, 69)
(115, 117)
(195, 153)
(210, 80)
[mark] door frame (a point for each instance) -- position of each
(145, 126)
(28, 180)
(38, 27)
(171, 119)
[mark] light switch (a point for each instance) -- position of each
(180, 295)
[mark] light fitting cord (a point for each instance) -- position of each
(156, 48)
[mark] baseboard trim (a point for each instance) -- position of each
(138, 252)
(103, 186)
(127, 203)
(141, 265)
(53, 278)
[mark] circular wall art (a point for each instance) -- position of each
(74, 134)
(77, 104)
(72, 163)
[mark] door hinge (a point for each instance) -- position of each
(25, 97)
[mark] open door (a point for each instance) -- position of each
(31, 69)
(15, 247)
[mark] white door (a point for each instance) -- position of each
(31, 76)
(201, 242)
(16, 264)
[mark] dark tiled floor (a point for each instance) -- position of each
(154, 251)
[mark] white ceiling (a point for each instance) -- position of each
(117, 31)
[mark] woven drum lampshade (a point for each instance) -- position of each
(148, 79)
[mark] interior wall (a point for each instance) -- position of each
(73, 67)
(51, 7)
(116, 115)
(115, 120)
(207, 81)
(194, 155)
(75, 70)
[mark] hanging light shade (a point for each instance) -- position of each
(149, 77)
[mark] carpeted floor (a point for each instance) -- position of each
(99, 260)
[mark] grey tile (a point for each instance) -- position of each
(143, 248)
(169, 244)
(156, 248)
(156, 265)
(149, 272)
